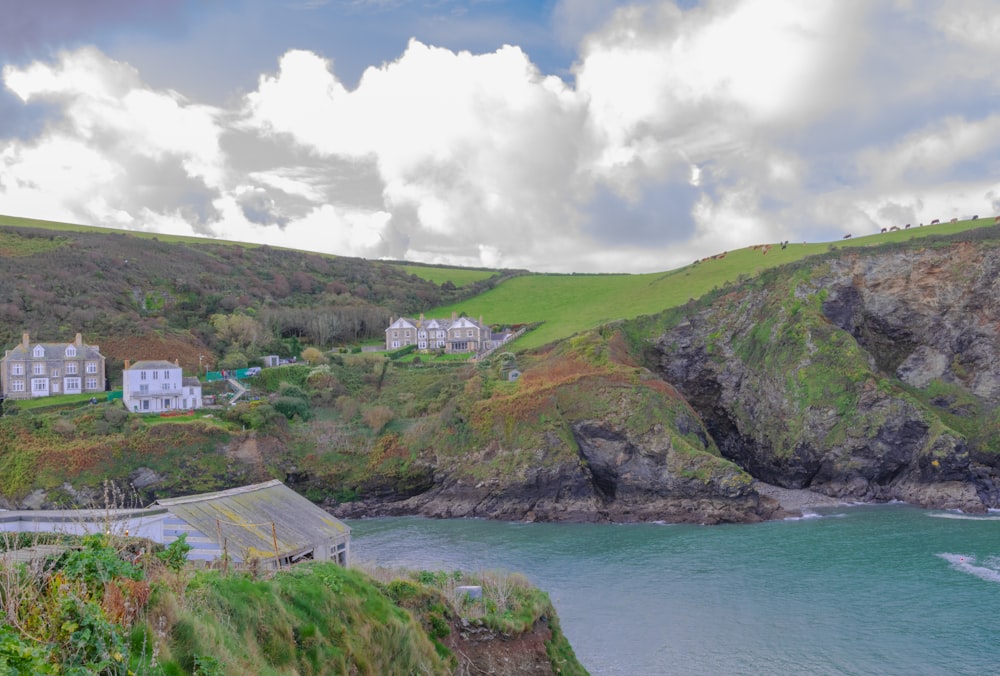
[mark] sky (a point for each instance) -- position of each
(548, 135)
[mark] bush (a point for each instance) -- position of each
(291, 406)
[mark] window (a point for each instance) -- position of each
(17, 369)
(166, 375)
(166, 386)
(142, 375)
(91, 367)
(395, 343)
(55, 373)
(468, 334)
(38, 352)
(17, 386)
(71, 367)
(71, 351)
(156, 375)
(143, 389)
(38, 369)
(72, 384)
(145, 404)
(91, 383)
(39, 385)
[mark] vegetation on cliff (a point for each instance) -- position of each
(108, 604)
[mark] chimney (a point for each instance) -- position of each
(454, 316)
(79, 340)
(177, 362)
(126, 364)
(25, 340)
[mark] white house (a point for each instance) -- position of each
(155, 386)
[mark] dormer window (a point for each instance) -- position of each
(38, 352)
(71, 351)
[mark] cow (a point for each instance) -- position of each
(847, 236)
(935, 221)
(996, 219)
(976, 217)
(885, 230)
(954, 220)
(894, 228)
(906, 226)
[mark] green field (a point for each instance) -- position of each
(568, 304)
(458, 276)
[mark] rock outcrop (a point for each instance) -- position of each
(872, 376)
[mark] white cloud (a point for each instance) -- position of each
(685, 132)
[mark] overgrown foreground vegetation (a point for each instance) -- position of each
(109, 604)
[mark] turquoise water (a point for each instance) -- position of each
(860, 590)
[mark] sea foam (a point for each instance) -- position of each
(968, 564)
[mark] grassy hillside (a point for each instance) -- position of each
(120, 605)
(563, 304)
(568, 304)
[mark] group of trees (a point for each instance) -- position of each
(235, 300)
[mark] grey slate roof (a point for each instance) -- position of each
(244, 516)
(54, 351)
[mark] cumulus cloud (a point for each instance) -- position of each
(682, 131)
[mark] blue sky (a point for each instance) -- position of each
(560, 135)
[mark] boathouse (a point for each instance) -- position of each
(266, 524)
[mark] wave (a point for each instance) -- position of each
(963, 517)
(968, 564)
(814, 515)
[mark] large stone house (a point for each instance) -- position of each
(45, 369)
(155, 386)
(455, 335)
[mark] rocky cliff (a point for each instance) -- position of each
(870, 376)
(582, 440)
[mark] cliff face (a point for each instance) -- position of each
(868, 377)
(579, 442)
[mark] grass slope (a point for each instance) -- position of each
(568, 304)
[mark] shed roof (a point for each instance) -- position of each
(251, 518)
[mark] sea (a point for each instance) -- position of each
(888, 589)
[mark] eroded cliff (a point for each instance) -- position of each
(870, 376)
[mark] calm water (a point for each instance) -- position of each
(860, 590)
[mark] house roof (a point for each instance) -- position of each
(251, 519)
(153, 364)
(54, 351)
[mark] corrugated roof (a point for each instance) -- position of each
(242, 518)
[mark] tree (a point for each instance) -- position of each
(314, 356)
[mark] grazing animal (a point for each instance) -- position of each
(884, 229)
(907, 225)
(996, 219)
(935, 221)
(976, 217)
(784, 245)
(894, 228)
(954, 220)
(847, 236)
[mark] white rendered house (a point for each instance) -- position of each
(155, 386)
